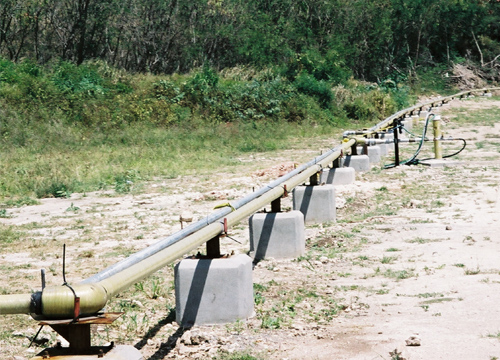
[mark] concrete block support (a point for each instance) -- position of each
(338, 176)
(213, 291)
(277, 235)
(390, 146)
(317, 203)
(415, 120)
(408, 123)
(360, 163)
(383, 149)
(373, 153)
(423, 114)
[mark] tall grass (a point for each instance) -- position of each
(67, 129)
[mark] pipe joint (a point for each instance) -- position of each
(58, 302)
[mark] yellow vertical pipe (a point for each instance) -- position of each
(436, 126)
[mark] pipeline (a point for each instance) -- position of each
(58, 302)
(389, 122)
(92, 294)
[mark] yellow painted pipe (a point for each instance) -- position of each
(15, 304)
(59, 301)
(438, 148)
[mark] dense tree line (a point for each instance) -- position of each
(370, 38)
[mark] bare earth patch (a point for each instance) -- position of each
(414, 255)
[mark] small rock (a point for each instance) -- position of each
(323, 259)
(200, 338)
(448, 227)
(186, 338)
(137, 303)
(415, 203)
(413, 341)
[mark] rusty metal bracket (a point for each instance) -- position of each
(77, 333)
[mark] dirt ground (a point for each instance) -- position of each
(414, 256)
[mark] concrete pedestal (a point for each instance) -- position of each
(360, 163)
(277, 235)
(415, 119)
(317, 203)
(213, 291)
(408, 123)
(388, 146)
(338, 176)
(383, 149)
(423, 114)
(374, 154)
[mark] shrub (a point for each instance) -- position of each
(320, 89)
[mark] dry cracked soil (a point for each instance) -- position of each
(409, 270)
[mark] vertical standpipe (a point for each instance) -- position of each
(436, 126)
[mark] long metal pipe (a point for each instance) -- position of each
(172, 239)
(426, 105)
(58, 302)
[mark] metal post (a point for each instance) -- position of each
(396, 145)
(276, 205)
(354, 149)
(213, 248)
(436, 125)
(313, 180)
(78, 335)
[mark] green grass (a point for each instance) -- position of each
(72, 129)
(483, 117)
(420, 240)
(397, 274)
(9, 235)
(388, 259)
(238, 356)
(121, 158)
(494, 335)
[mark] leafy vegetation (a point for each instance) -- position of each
(69, 128)
(328, 40)
(108, 94)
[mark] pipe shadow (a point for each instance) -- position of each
(155, 329)
(265, 235)
(190, 314)
(193, 301)
(331, 175)
(306, 200)
(166, 347)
